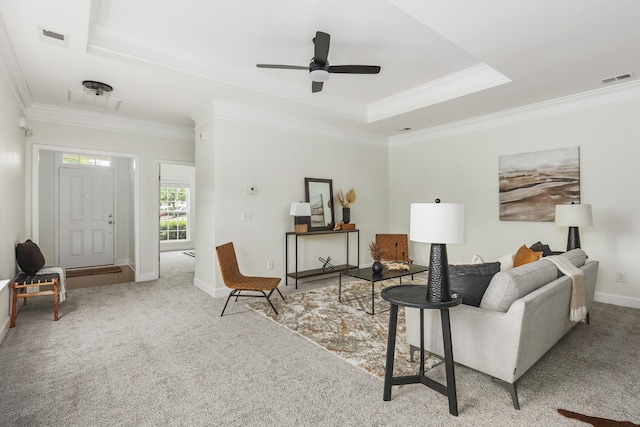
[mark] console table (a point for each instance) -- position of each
(317, 271)
(416, 296)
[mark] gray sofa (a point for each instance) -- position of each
(523, 313)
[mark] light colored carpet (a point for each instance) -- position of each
(158, 353)
(344, 328)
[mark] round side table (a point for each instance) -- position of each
(415, 296)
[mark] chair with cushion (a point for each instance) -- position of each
(238, 282)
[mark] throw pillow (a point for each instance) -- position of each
(471, 280)
(506, 262)
(476, 259)
(541, 247)
(29, 257)
(525, 256)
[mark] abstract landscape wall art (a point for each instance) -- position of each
(532, 184)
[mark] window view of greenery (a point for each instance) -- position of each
(174, 213)
(79, 159)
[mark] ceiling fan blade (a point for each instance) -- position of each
(283, 67)
(321, 51)
(316, 87)
(354, 69)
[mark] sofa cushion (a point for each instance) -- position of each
(525, 256)
(471, 280)
(29, 257)
(577, 256)
(511, 285)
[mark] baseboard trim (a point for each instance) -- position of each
(146, 277)
(210, 289)
(5, 328)
(620, 300)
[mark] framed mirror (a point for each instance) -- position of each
(319, 194)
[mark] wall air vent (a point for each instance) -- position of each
(53, 37)
(619, 78)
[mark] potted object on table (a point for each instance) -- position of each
(345, 201)
(376, 253)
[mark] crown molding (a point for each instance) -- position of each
(461, 83)
(241, 113)
(10, 67)
(48, 113)
(595, 98)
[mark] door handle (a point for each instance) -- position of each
(110, 222)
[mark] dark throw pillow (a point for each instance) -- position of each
(471, 280)
(541, 247)
(29, 256)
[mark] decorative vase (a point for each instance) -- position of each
(377, 267)
(346, 215)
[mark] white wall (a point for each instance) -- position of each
(12, 188)
(184, 174)
(150, 150)
(463, 167)
(277, 160)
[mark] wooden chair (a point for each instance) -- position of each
(238, 282)
(395, 247)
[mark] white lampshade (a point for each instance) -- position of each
(574, 215)
(438, 223)
(300, 209)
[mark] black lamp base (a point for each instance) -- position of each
(573, 239)
(439, 287)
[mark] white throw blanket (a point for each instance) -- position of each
(578, 305)
(62, 292)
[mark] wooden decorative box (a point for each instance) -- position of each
(347, 227)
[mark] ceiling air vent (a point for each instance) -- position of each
(53, 37)
(615, 79)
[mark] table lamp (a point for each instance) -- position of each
(301, 213)
(573, 216)
(438, 223)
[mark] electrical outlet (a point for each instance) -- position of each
(246, 216)
(270, 264)
(621, 277)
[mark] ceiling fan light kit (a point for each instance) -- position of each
(319, 75)
(319, 68)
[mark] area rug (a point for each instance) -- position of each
(93, 271)
(596, 421)
(343, 329)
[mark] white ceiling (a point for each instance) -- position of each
(442, 61)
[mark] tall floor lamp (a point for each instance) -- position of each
(438, 223)
(574, 216)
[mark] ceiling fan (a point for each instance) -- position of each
(319, 68)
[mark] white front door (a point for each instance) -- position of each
(86, 217)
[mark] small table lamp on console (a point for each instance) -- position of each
(438, 223)
(574, 216)
(301, 213)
